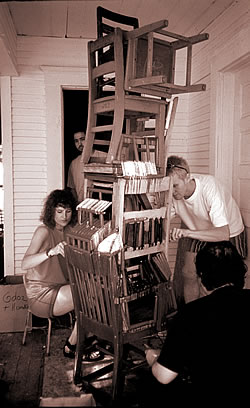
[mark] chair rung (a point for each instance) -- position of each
(105, 128)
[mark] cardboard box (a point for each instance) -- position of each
(85, 400)
(13, 304)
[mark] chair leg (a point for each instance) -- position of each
(118, 377)
(71, 320)
(77, 371)
(48, 336)
(28, 325)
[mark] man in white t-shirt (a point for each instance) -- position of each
(75, 175)
(209, 213)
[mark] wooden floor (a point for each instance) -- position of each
(31, 377)
(21, 369)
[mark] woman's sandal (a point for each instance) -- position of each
(72, 349)
(93, 355)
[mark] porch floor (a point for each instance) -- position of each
(34, 379)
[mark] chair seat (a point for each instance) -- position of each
(134, 106)
(160, 85)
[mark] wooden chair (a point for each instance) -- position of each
(112, 292)
(107, 20)
(150, 66)
(101, 308)
(124, 111)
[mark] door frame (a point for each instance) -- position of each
(57, 79)
(225, 63)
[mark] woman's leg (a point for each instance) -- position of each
(64, 304)
(72, 338)
(64, 301)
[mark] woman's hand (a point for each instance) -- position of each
(58, 249)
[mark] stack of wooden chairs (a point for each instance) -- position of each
(123, 293)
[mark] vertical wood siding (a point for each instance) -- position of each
(29, 157)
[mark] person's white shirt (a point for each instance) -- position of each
(210, 205)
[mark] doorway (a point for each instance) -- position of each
(75, 110)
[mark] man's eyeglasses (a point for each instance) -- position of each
(172, 166)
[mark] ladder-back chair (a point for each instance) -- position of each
(107, 20)
(124, 111)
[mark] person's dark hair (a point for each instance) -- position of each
(176, 164)
(219, 263)
(62, 198)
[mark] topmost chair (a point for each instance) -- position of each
(150, 62)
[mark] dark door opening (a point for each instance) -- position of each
(75, 106)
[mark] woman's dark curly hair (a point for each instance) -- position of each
(219, 263)
(62, 198)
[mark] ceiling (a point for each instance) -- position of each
(77, 19)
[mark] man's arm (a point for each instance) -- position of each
(211, 235)
(70, 182)
(73, 191)
(162, 374)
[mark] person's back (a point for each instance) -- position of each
(213, 341)
(207, 341)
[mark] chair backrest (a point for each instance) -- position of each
(94, 282)
(105, 70)
(106, 79)
(107, 20)
(107, 302)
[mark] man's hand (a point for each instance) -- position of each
(177, 233)
(152, 355)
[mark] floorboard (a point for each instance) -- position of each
(22, 368)
(33, 378)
